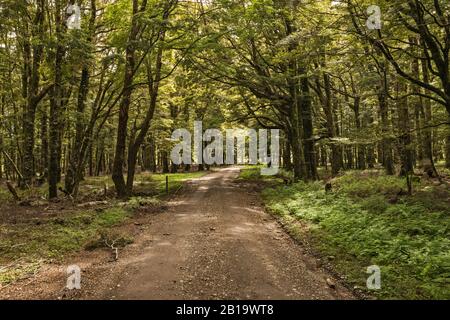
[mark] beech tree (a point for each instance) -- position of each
(103, 97)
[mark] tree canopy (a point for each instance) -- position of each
(94, 87)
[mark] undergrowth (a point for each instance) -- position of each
(358, 225)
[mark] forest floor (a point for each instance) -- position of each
(367, 219)
(214, 240)
(231, 234)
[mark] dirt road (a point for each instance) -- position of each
(216, 242)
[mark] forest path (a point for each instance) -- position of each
(216, 242)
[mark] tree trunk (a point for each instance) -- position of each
(447, 150)
(287, 163)
(71, 179)
(306, 112)
(405, 152)
(361, 161)
(388, 160)
(149, 155)
(33, 54)
(55, 106)
(349, 152)
(82, 136)
(296, 110)
(331, 127)
(427, 136)
(165, 162)
(153, 88)
(370, 150)
(44, 143)
(122, 127)
(296, 147)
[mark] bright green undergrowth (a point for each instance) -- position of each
(153, 183)
(358, 225)
(176, 180)
(253, 172)
(146, 182)
(250, 173)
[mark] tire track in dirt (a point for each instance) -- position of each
(216, 242)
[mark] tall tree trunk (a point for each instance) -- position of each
(165, 162)
(306, 111)
(417, 105)
(296, 147)
(349, 152)
(361, 150)
(388, 160)
(370, 150)
(331, 127)
(122, 127)
(405, 151)
(418, 124)
(323, 158)
(150, 155)
(44, 142)
(78, 153)
(91, 159)
(287, 162)
(33, 54)
(55, 108)
(427, 133)
(154, 78)
(295, 110)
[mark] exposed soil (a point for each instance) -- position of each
(214, 241)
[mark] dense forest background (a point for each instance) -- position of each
(98, 91)
(91, 91)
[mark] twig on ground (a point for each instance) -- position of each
(114, 249)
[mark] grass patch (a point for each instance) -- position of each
(253, 173)
(358, 227)
(148, 183)
(176, 180)
(153, 183)
(16, 271)
(52, 238)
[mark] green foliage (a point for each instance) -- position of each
(54, 237)
(28, 244)
(176, 180)
(233, 64)
(252, 173)
(367, 183)
(51, 238)
(358, 227)
(148, 183)
(12, 273)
